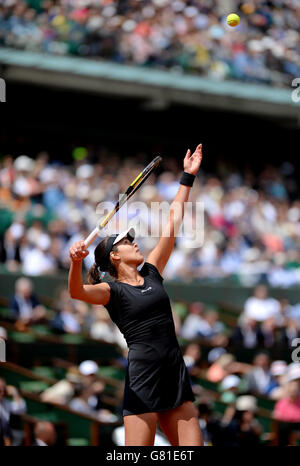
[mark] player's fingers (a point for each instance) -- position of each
(188, 154)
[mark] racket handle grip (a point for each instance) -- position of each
(91, 238)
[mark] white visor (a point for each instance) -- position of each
(130, 233)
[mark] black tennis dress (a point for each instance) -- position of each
(156, 378)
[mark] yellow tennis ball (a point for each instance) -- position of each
(233, 20)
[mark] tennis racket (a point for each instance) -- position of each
(132, 188)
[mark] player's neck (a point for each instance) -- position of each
(128, 273)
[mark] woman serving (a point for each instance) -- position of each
(157, 384)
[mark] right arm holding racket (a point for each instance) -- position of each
(100, 293)
(159, 256)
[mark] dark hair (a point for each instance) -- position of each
(93, 276)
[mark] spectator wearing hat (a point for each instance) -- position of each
(88, 369)
(90, 397)
(25, 184)
(276, 387)
(230, 387)
(239, 425)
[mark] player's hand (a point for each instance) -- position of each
(78, 251)
(192, 163)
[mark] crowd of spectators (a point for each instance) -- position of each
(190, 36)
(11, 403)
(251, 232)
(246, 225)
(238, 384)
(263, 325)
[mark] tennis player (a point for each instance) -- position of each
(157, 383)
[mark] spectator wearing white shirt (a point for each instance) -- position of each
(260, 306)
(36, 259)
(189, 329)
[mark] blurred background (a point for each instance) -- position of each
(95, 90)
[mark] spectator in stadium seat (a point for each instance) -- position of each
(260, 306)
(239, 425)
(230, 387)
(63, 391)
(288, 408)
(37, 259)
(247, 335)
(276, 389)
(25, 306)
(209, 422)
(189, 329)
(259, 378)
(7, 408)
(45, 434)
(10, 246)
(289, 332)
(87, 400)
(66, 320)
(268, 330)
(210, 326)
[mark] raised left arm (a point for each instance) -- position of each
(159, 256)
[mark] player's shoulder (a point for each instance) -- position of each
(103, 286)
(151, 269)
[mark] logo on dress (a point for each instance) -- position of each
(147, 289)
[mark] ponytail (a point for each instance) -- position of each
(93, 276)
